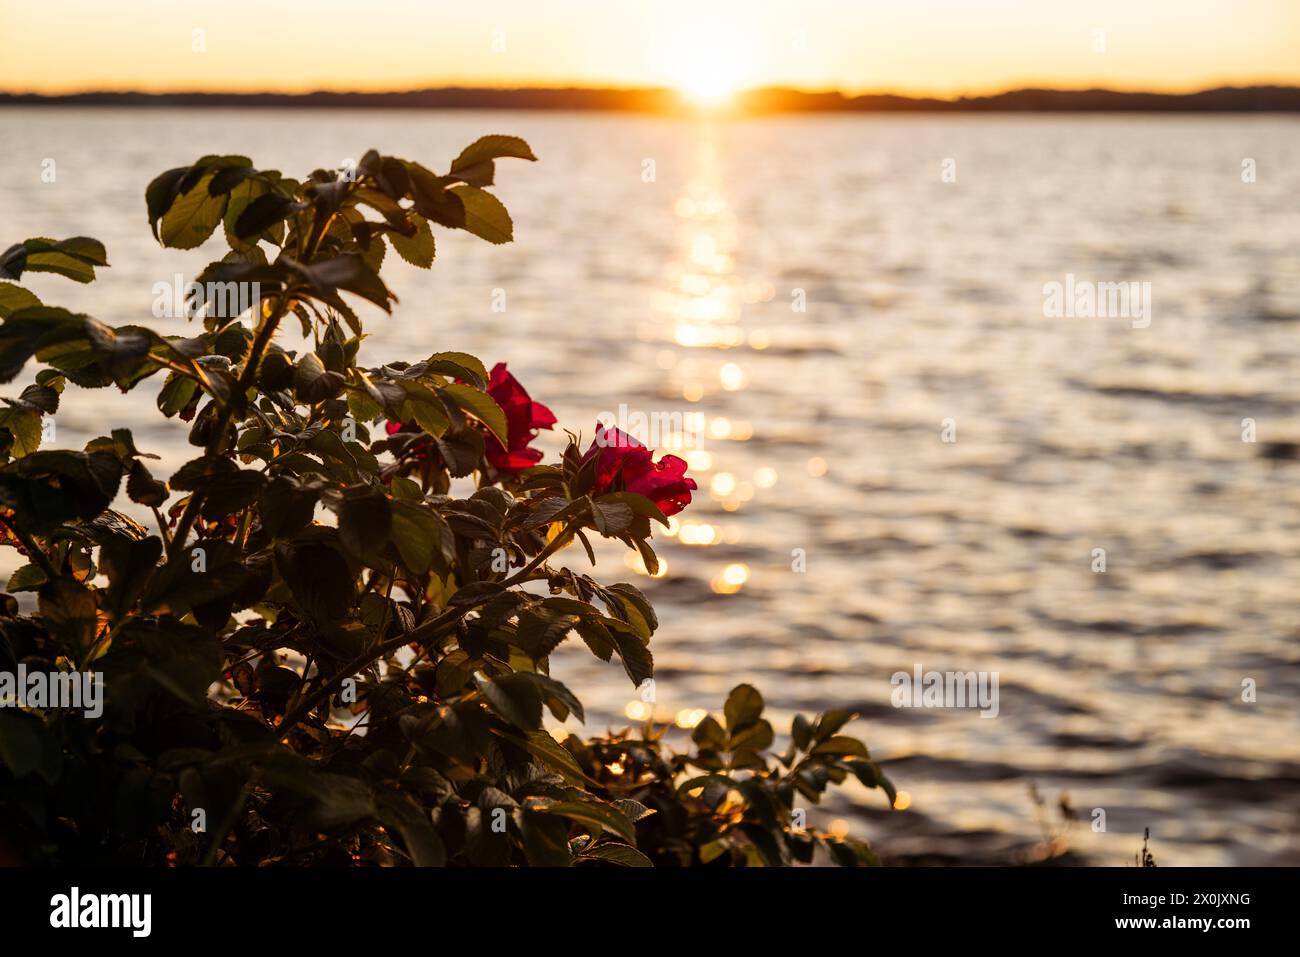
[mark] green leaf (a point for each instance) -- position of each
(26, 747)
(261, 214)
(226, 488)
(549, 752)
(557, 697)
(541, 630)
(485, 216)
(842, 744)
(13, 298)
(319, 577)
(622, 854)
(480, 405)
(143, 488)
(416, 830)
(348, 272)
(634, 810)
(418, 250)
(514, 698)
(286, 506)
(26, 578)
(751, 737)
(13, 261)
(25, 427)
(475, 163)
(340, 800)
(633, 607)
(365, 518)
(596, 817)
(239, 199)
(869, 773)
(801, 732)
(709, 734)
(611, 518)
(636, 657)
(176, 393)
(162, 192)
(74, 258)
(69, 610)
(744, 705)
(312, 383)
(639, 504)
(419, 535)
(830, 722)
(546, 840)
(459, 365)
(192, 217)
(48, 488)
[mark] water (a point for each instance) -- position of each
(924, 303)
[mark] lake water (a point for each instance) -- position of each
(836, 307)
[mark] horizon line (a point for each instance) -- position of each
(668, 100)
(899, 93)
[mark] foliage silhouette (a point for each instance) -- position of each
(324, 654)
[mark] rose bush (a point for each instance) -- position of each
(334, 646)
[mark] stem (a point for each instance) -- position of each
(228, 822)
(423, 634)
(241, 533)
(34, 551)
(102, 642)
(265, 330)
(162, 527)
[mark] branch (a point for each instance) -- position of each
(265, 330)
(423, 634)
(34, 551)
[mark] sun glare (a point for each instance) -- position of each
(705, 67)
(708, 84)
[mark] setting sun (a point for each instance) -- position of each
(708, 84)
(706, 63)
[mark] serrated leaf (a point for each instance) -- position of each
(475, 163)
(485, 215)
(418, 250)
(480, 405)
(622, 854)
(599, 817)
(13, 298)
(192, 217)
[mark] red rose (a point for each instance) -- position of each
(618, 454)
(523, 418)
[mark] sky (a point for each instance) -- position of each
(705, 47)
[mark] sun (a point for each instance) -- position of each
(705, 65)
(708, 83)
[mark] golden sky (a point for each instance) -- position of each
(708, 47)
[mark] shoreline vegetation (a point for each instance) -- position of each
(1253, 99)
(286, 689)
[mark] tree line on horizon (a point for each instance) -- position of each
(658, 100)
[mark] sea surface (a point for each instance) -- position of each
(839, 297)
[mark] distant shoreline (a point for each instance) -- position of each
(1254, 99)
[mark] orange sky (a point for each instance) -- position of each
(940, 47)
